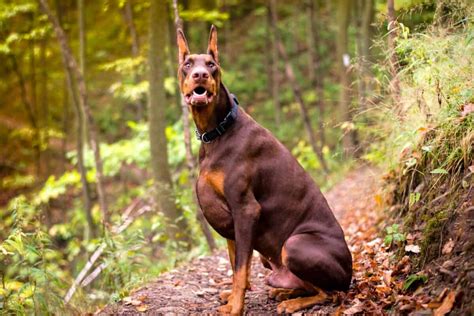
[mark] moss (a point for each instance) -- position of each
(432, 232)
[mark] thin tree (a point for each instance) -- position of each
(297, 90)
(127, 13)
(343, 57)
(177, 226)
(314, 60)
(69, 59)
(29, 109)
(272, 31)
(34, 99)
(393, 60)
(190, 160)
(365, 13)
(79, 115)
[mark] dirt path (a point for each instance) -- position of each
(193, 288)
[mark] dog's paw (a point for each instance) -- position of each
(230, 309)
(225, 296)
(280, 294)
(286, 307)
(225, 309)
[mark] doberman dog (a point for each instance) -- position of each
(254, 193)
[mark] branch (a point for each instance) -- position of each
(127, 219)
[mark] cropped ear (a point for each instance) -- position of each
(183, 49)
(212, 46)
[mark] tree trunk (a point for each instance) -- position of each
(314, 59)
(190, 160)
(43, 102)
(83, 102)
(274, 65)
(29, 109)
(297, 91)
(343, 16)
(366, 31)
(393, 60)
(34, 102)
(158, 24)
(127, 13)
(86, 191)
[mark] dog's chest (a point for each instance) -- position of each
(210, 193)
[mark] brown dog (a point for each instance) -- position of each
(254, 193)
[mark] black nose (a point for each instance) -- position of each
(200, 75)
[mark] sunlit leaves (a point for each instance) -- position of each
(126, 65)
(439, 171)
(10, 10)
(413, 198)
(54, 187)
(214, 16)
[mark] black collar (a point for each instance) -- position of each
(223, 126)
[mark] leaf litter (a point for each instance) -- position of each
(382, 284)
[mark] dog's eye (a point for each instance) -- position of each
(187, 65)
(211, 64)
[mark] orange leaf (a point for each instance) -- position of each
(448, 247)
(447, 304)
(378, 200)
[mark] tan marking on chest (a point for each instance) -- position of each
(216, 180)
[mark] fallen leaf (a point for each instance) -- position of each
(378, 200)
(142, 308)
(387, 277)
(448, 247)
(354, 309)
(447, 304)
(471, 168)
(412, 248)
(131, 301)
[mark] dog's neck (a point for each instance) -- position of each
(208, 117)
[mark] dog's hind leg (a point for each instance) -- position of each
(320, 263)
(323, 262)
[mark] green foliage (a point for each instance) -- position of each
(30, 268)
(393, 236)
(213, 16)
(413, 281)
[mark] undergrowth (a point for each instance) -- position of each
(429, 150)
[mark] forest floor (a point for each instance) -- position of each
(377, 280)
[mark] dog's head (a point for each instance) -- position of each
(199, 75)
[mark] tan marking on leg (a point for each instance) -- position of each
(231, 250)
(225, 295)
(235, 304)
(249, 266)
(216, 180)
(294, 305)
(284, 256)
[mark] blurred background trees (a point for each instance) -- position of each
(87, 168)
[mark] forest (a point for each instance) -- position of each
(99, 158)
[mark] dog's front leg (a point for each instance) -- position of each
(245, 212)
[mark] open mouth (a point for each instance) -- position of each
(199, 96)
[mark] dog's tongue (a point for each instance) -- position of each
(199, 98)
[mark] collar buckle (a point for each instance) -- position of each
(204, 138)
